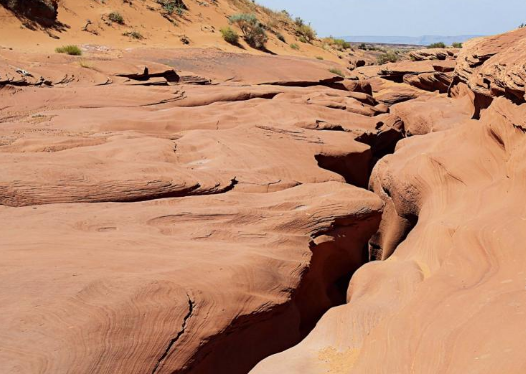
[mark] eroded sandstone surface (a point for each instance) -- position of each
(203, 211)
(161, 220)
(449, 295)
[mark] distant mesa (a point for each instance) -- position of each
(413, 40)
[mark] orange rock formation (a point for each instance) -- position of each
(196, 210)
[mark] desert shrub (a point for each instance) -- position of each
(281, 37)
(171, 6)
(456, 45)
(337, 72)
(386, 57)
(230, 35)
(294, 46)
(277, 18)
(253, 31)
(299, 21)
(306, 32)
(302, 39)
(245, 22)
(257, 38)
(342, 44)
(437, 45)
(116, 17)
(133, 34)
(72, 50)
(339, 44)
(363, 47)
(319, 58)
(522, 25)
(179, 11)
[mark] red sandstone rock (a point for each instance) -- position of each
(161, 228)
(449, 295)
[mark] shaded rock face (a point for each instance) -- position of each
(44, 12)
(425, 75)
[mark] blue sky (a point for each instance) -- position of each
(406, 17)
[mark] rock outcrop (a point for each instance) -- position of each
(494, 66)
(449, 294)
(434, 54)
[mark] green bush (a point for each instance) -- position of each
(339, 44)
(386, 57)
(306, 32)
(342, 44)
(303, 39)
(363, 46)
(456, 45)
(253, 31)
(230, 35)
(133, 34)
(437, 45)
(337, 72)
(294, 46)
(171, 6)
(116, 17)
(72, 50)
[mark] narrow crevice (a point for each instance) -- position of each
(169, 75)
(331, 83)
(323, 286)
(382, 144)
(354, 167)
(160, 362)
(357, 167)
(481, 102)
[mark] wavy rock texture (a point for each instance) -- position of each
(159, 225)
(175, 284)
(197, 211)
(449, 296)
